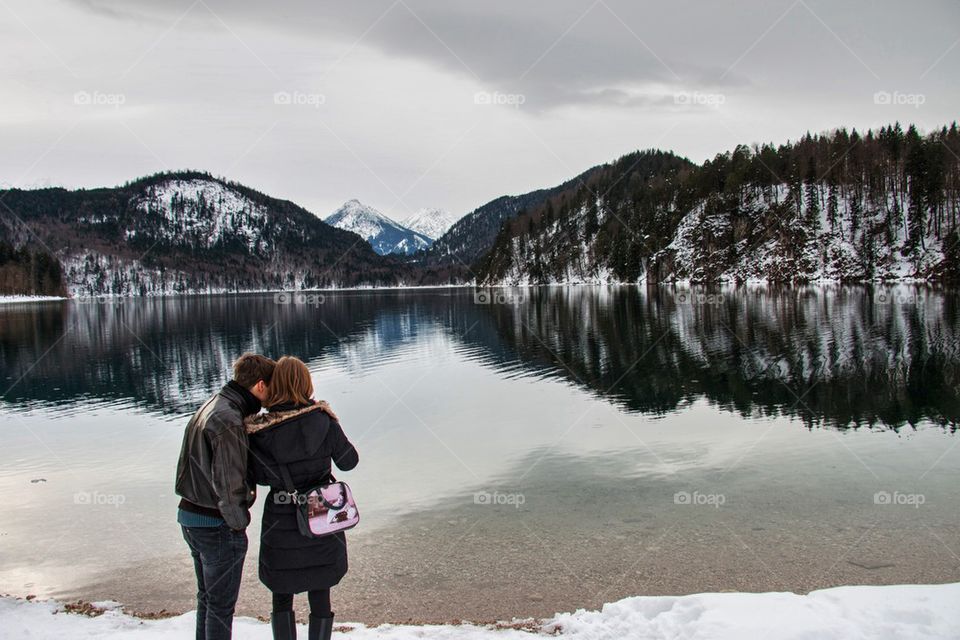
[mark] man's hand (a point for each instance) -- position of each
(325, 407)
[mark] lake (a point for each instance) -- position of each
(522, 451)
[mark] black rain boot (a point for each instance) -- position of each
(284, 625)
(320, 628)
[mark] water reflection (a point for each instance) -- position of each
(597, 405)
(841, 356)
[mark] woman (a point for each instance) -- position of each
(304, 436)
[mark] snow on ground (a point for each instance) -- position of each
(843, 613)
(15, 299)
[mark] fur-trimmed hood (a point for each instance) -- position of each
(262, 421)
(289, 433)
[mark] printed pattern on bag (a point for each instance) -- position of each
(331, 509)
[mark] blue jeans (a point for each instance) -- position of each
(218, 554)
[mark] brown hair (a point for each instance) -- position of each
(251, 368)
(291, 382)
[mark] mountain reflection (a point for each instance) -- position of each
(840, 356)
(843, 356)
(168, 354)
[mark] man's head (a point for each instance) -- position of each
(254, 372)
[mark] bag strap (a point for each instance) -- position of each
(287, 480)
(289, 487)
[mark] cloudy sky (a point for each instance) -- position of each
(434, 103)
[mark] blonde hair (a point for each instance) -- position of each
(291, 382)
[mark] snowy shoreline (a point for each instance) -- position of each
(677, 284)
(100, 297)
(902, 612)
(6, 299)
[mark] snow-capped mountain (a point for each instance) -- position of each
(384, 235)
(792, 213)
(183, 232)
(432, 223)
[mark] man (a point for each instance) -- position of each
(216, 494)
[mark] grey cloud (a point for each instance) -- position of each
(585, 51)
(567, 53)
(194, 73)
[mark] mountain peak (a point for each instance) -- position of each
(383, 234)
(430, 222)
(355, 207)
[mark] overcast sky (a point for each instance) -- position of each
(407, 104)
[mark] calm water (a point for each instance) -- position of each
(558, 448)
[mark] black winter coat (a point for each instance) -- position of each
(305, 439)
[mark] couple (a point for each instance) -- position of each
(229, 447)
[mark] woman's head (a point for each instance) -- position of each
(291, 382)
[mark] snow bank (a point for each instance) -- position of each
(15, 299)
(843, 613)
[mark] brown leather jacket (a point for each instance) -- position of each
(212, 471)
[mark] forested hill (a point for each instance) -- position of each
(844, 205)
(176, 233)
(840, 206)
(473, 234)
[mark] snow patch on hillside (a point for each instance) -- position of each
(765, 236)
(95, 275)
(842, 245)
(205, 211)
